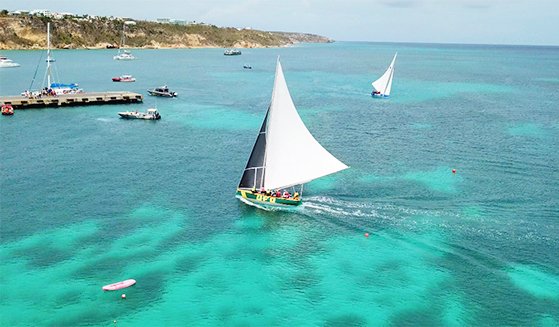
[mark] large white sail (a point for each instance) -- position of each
(293, 156)
(384, 83)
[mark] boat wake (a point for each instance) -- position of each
(340, 208)
(369, 215)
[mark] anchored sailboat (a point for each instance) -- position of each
(50, 86)
(285, 154)
(125, 54)
(383, 85)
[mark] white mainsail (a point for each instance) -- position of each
(384, 83)
(293, 156)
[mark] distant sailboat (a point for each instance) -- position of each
(383, 85)
(125, 54)
(284, 155)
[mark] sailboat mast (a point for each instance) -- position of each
(389, 80)
(265, 148)
(268, 114)
(48, 57)
(123, 35)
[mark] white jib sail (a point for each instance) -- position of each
(293, 156)
(384, 83)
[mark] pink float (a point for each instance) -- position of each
(119, 285)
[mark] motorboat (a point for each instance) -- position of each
(232, 52)
(7, 110)
(247, 66)
(124, 78)
(151, 114)
(162, 91)
(7, 63)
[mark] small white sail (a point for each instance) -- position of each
(384, 83)
(293, 156)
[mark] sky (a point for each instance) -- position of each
(528, 22)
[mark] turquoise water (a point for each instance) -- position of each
(88, 199)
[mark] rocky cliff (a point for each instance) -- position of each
(29, 32)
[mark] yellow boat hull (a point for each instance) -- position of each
(267, 199)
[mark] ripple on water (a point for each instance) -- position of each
(534, 281)
(222, 118)
(528, 129)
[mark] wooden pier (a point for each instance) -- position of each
(77, 99)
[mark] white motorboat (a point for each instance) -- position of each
(7, 63)
(163, 91)
(151, 114)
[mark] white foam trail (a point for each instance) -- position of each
(365, 209)
(252, 203)
(104, 119)
(337, 207)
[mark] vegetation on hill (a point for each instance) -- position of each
(29, 32)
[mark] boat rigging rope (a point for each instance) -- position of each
(36, 70)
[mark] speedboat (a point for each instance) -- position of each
(7, 63)
(124, 78)
(125, 55)
(247, 66)
(7, 110)
(232, 52)
(151, 114)
(162, 91)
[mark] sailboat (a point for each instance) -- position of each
(125, 54)
(51, 88)
(383, 85)
(284, 156)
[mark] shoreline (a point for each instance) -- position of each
(151, 47)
